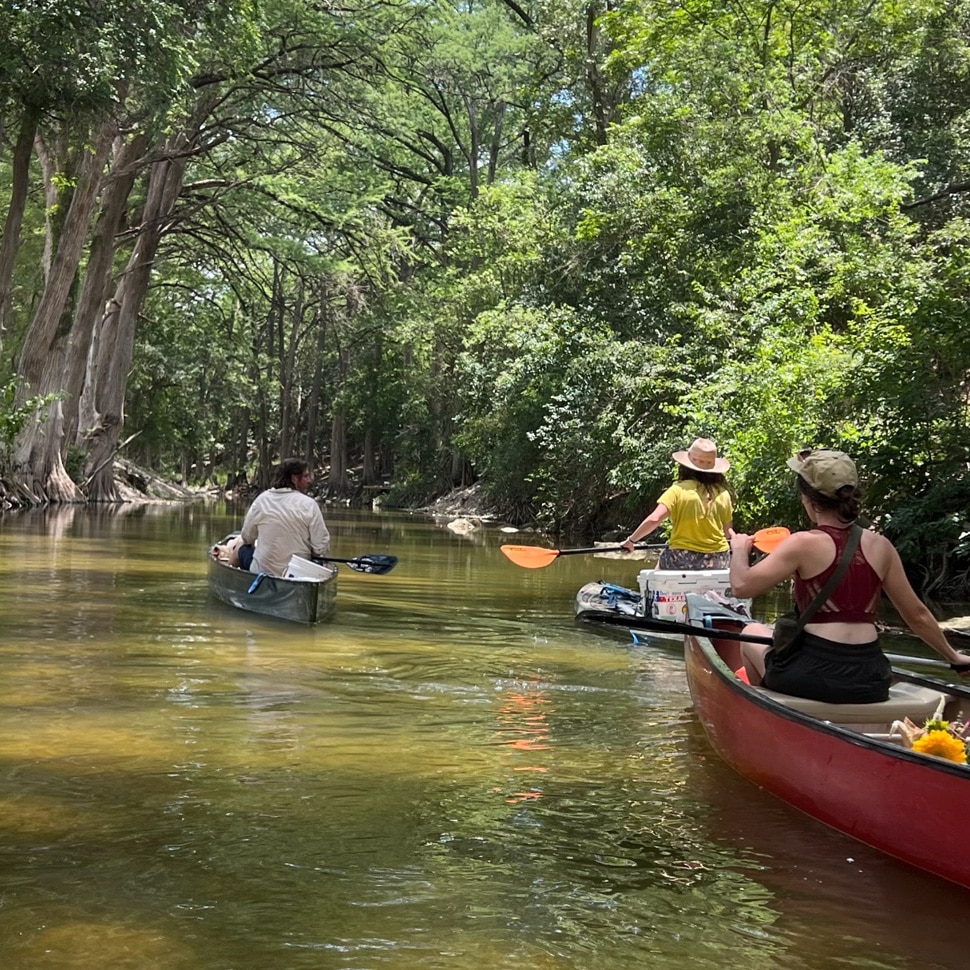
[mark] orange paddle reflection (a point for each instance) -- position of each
(523, 726)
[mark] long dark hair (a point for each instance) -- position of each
(288, 468)
(847, 504)
(711, 482)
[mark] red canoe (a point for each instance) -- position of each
(839, 763)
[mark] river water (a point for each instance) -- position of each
(449, 774)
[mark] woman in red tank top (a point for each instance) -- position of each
(837, 657)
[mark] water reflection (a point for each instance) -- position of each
(815, 876)
(449, 774)
(523, 727)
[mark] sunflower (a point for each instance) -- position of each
(943, 745)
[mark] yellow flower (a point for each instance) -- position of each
(943, 745)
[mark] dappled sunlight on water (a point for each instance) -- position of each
(449, 774)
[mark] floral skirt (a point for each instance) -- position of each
(688, 559)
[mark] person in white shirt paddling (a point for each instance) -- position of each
(282, 522)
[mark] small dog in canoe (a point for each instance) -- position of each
(227, 552)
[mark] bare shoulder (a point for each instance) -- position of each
(808, 537)
(799, 548)
(873, 540)
(809, 540)
(880, 552)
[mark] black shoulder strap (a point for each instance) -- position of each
(855, 534)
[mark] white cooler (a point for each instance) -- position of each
(300, 568)
(664, 592)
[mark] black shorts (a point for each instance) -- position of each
(824, 670)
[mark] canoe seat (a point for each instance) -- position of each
(905, 700)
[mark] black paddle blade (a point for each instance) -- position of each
(375, 564)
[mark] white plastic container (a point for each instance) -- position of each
(664, 592)
(300, 568)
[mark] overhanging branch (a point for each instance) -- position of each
(954, 188)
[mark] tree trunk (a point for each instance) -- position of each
(498, 140)
(369, 474)
(594, 77)
(19, 182)
(461, 473)
(117, 337)
(239, 455)
(387, 461)
(265, 347)
(288, 412)
(474, 146)
(339, 483)
(261, 431)
(315, 397)
(82, 355)
(38, 466)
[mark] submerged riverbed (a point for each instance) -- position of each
(449, 774)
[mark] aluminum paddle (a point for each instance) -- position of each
(537, 557)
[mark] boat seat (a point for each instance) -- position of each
(905, 700)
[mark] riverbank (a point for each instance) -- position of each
(137, 484)
(464, 502)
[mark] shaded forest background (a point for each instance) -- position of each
(535, 246)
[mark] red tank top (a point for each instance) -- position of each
(856, 597)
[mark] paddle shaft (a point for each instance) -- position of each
(948, 631)
(665, 626)
(960, 690)
(673, 626)
(899, 658)
(375, 558)
(589, 549)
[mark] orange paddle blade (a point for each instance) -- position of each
(765, 540)
(529, 557)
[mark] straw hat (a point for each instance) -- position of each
(702, 457)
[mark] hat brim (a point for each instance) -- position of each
(794, 464)
(721, 465)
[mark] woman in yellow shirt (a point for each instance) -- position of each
(700, 510)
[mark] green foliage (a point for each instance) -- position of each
(539, 405)
(74, 462)
(14, 417)
(931, 528)
(509, 370)
(84, 58)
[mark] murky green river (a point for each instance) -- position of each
(449, 775)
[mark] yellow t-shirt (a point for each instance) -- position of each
(697, 521)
